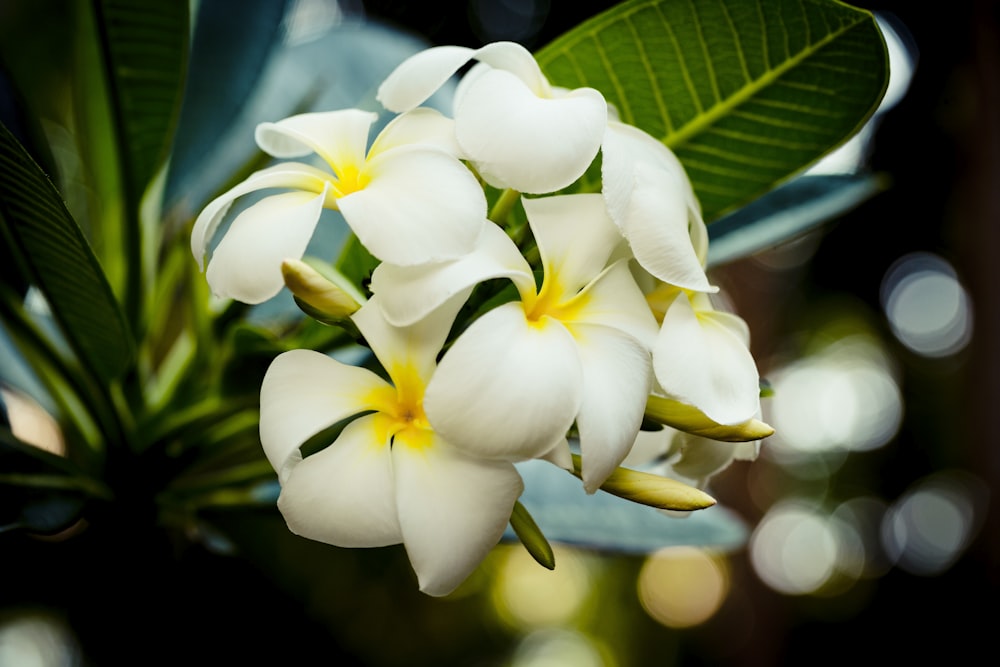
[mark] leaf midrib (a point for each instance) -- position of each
(709, 116)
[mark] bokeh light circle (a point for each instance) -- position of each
(794, 549)
(926, 306)
(681, 587)
(928, 527)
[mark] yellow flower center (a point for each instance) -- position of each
(350, 178)
(400, 410)
(553, 301)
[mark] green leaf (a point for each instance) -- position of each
(565, 513)
(130, 75)
(788, 211)
(230, 52)
(53, 254)
(145, 49)
(356, 264)
(39, 491)
(745, 93)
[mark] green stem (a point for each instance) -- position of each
(500, 212)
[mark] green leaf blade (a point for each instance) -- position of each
(746, 94)
(51, 250)
(145, 46)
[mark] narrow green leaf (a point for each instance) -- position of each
(145, 48)
(143, 57)
(745, 93)
(53, 254)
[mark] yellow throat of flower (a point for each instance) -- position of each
(400, 410)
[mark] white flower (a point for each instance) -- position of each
(517, 129)
(389, 477)
(575, 349)
(408, 198)
(702, 357)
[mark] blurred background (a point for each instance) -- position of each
(872, 525)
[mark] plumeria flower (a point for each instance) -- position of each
(575, 349)
(408, 198)
(389, 477)
(518, 130)
(702, 356)
(651, 200)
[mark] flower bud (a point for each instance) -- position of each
(319, 296)
(690, 419)
(653, 490)
(532, 537)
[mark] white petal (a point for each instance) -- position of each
(453, 509)
(506, 389)
(650, 198)
(419, 126)
(421, 205)
(521, 141)
(339, 137)
(747, 451)
(416, 346)
(655, 223)
(736, 324)
(419, 76)
(517, 60)
(560, 455)
(616, 381)
(246, 265)
(626, 146)
(288, 175)
(304, 392)
(344, 495)
(702, 458)
(649, 447)
(614, 300)
(408, 293)
(703, 363)
(575, 236)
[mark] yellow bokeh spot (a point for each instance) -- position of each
(682, 587)
(528, 595)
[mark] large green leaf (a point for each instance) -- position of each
(51, 251)
(745, 93)
(566, 513)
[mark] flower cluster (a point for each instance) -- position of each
(602, 322)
